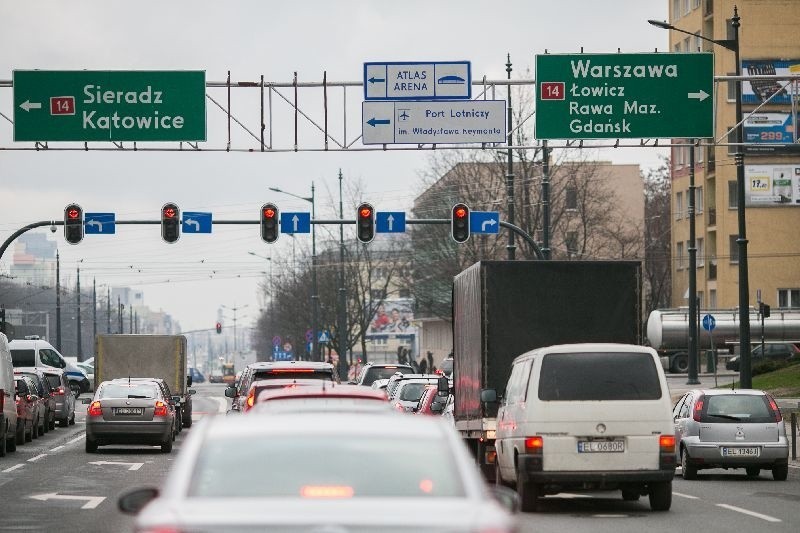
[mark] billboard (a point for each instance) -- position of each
(774, 133)
(394, 316)
(772, 185)
(758, 91)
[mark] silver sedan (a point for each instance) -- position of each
(721, 428)
(354, 472)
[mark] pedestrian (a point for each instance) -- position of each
(423, 366)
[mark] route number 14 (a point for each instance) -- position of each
(551, 90)
(62, 105)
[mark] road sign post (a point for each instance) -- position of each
(614, 96)
(709, 323)
(84, 105)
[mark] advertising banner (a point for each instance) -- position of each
(759, 91)
(775, 133)
(772, 185)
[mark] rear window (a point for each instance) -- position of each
(23, 357)
(351, 467)
(727, 408)
(383, 372)
(412, 392)
(55, 381)
(291, 373)
(599, 376)
(114, 390)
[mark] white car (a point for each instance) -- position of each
(317, 472)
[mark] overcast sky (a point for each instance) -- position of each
(252, 38)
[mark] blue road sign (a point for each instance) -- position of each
(196, 222)
(276, 340)
(324, 336)
(418, 80)
(709, 323)
(296, 222)
(99, 224)
(390, 222)
(484, 222)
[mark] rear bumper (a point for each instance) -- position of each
(531, 467)
(154, 431)
(710, 455)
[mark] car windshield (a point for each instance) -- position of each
(412, 392)
(725, 408)
(599, 376)
(23, 357)
(383, 372)
(123, 390)
(55, 381)
(291, 373)
(350, 467)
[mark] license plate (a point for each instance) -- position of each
(741, 452)
(129, 411)
(601, 446)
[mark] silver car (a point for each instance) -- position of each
(130, 412)
(317, 472)
(722, 428)
(65, 400)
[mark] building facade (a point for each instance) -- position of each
(768, 45)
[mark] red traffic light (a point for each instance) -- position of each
(460, 212)
(169, 212)
(73, 213)
(365, 212)
(219, 327)
(269, 213)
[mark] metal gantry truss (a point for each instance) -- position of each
(325, 116)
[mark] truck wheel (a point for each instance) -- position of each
(680, 364)
(187, 420)
(41, 427)
(35, 429)
(29, 434)
(661, 496)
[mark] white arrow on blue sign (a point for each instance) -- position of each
(709, 323)
(196, 222)
(295, 223)
(390, 222)
(484, 222)
(99, 224)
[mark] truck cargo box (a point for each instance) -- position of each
(502, 309)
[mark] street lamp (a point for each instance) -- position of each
(271, 296)
(745, 374)
(314, 296)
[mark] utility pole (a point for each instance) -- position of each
(511, 247)
(315, 355)
(119, 314)
(58, 302)
(94, 309)
(108, 311)
(130, 319)
(80, 344)
(342, 314)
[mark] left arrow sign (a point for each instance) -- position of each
(27, 105)
(375, 121)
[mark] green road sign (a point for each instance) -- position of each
(83, 105)
(615, 96)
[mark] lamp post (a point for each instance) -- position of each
(315, 355)
(234, 309)
(745, 374)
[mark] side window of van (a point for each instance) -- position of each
(517, 383)
(49, 358)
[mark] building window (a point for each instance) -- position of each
(676, 9)
(679, 256)
(734, 246)
(712, 298)
(404, 293)
(698, 200)
(686, 8)
(733, 193)
(732, 141)
(377, 294)
(701, 253)
(698, 43)
(789, 298)
(732, 88)
(571, 197)
(687, 44)
(572, 243)
(380, 341)
(700, 300)
(699, 152)
(695, 4)
(678, 205)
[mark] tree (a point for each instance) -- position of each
(658, 256)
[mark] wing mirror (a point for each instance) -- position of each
(135, 500)
(189, 380)
(230, 392)
(489, 396)
(443, 386)
(437, 407)
(192, 392)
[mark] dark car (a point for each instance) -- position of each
(27, 409)
(375, 371)
(277, 370)
(65, 399)
(784, 351)
(175, 402)
(44, 391)
(197, 376)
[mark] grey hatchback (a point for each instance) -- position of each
(134, 412)
(730, 429)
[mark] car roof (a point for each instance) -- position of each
(316, 365)
(721, 392)
(322, 391)
(29, 343)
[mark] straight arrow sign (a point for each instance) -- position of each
(91, 501)
(131, 466)
(700, 95)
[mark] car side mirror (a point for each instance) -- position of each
(508, 498)
(134, 501)
(192, 392)
(437, 407)
(488, 396)
(443, 386)
(189, 380)
(230, 392)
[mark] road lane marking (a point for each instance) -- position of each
(57, 448)
(132, 466)
(91, 501)
(32, 459)
(11, 469)
(73, 441)
(688, 496)
(749, 513)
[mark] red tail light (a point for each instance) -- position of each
(775, 409)
(698, 408)
(161, 409)
(534, 444)
(59, 391)
(326, 491)
(666, 443)
(95, 409)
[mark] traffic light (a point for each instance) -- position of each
(170, 222)
(765, 310)
(73, 223)
(219, 328)
(366, 223)
(270, 229)
(459, 223)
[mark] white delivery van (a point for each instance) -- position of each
(8, 404)
(33, 351)
(586, 417)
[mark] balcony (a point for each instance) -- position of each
(711, 216)
(712, 270)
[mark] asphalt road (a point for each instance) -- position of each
(51, 484)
